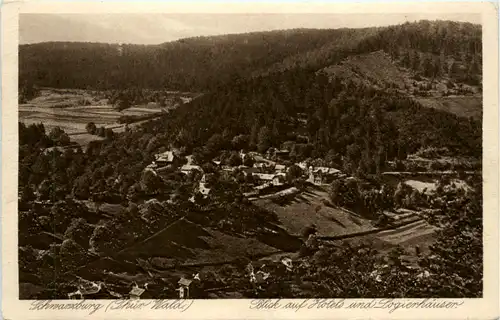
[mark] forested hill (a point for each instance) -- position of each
(358, 109)
(349, 124)
(189, 64)
(200, 64)
(437, 43)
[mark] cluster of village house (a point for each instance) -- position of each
(266, 171)
(89, 290)
(92, 290)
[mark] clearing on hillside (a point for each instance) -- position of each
(463, 106)
(313, 207)
(375, 68)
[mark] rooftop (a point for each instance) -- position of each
(167, 156)
(326, 170)
(265, 176)
(190, 167)
(185, 282)
(137, 291)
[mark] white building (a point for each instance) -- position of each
(321, 174)
(187, 168)
(165, 158)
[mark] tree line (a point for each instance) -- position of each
(204, 63)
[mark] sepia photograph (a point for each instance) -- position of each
(250, 156)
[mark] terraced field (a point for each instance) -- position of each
(312, 207)
(71, 110)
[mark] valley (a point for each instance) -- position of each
(284, 164)
(72, 109)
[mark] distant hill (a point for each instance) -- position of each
(203, 63)
(194, 63)
(355, 92)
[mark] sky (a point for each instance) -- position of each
(143, 28)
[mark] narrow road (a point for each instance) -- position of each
(426, 173)
(151, 237)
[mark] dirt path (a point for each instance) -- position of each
(394, 227)
(426, 173)
(152, 236)
(279, 253)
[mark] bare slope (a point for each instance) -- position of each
(463, 106)
(376, 68)
(311, 207)
(379, 70)
(187, 242)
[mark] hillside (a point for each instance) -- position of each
(231, 175)
(201, 63)
(381, 71)
(336, 111)
(373, 69)
(464, 106)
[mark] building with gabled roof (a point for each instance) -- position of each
(136, 292)
(166, 157)
(185, 282)
(320, 175)
(279, 168)
(187, 168)
(184, 288)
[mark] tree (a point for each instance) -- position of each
(336, 191)
(134, 192)
(81, 188)
(399, 194)
(254, 139)
(45, 190)
(214, 144)
(416, 61)
(406, 60)
(27, 195)
(27, 92)
(59, 136)
(208, 167)
(101, 132)
(294, 172)
(79, 231)
(150, 182)
(132, 209)
(240, 142)
(109, 134)
(264, 139)
(380, 160)
(72, 255)
(122, 103)
(103, 241)
(198, 156)
(91, 128)
(249, 161)
(64, 139)
(454, 271)
(235, 159)
(152, 145)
